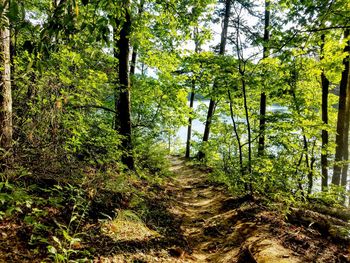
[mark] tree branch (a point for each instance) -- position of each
(324, 29)
(94, 106)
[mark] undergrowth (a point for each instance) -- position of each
(57, 218)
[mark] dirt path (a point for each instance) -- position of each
(198, 221)
(216, 233)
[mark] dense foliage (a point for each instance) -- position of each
(99, 90)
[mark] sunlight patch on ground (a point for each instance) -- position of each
(150, 257)
(127, 226)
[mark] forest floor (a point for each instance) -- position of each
(185, 218)
(206, 224)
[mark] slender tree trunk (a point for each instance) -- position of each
(5, 92)
(262, 123)
(13, 53)
(250, 187)
(212, 103)
(311, 175)
(123, 107)
(189, 127)
(344, 176)
(133, 60)
(136, 46)
(237, 135)
(344, 172)
(241, 70)
(116, 123)
(309, 164)
(339, 151)
(325, 91)
(210, 114)
(300, 179)
(293, 84)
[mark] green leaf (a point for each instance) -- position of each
(52, 250)
(56, 240)
(73, 218)
(66, 235)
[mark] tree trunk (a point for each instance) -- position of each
(13, 53)
(210, 114)
(309, 164)
(189, 128)
(5, 92)
(344, 172)
(237, 135)
(344, 176)
(325, 91)
(136, 46)
(246, 110)
(212, 103)
(262, 123)
(339, 151)
(133, 60)
(123, 107)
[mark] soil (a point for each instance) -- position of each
(190, 219)
(206, 224)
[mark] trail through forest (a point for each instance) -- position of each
(186, 217)
(216, 227)
(92, 94)
(209, 225)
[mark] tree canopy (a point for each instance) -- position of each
(91, 89)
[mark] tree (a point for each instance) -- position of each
(212, 103)
(193, 90)
(341, 121)
(325, 91)
(135, 46)
(123, 105)
(189, 127)
(345, 168)
(5, 86)
(263, 95)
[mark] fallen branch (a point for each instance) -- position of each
(327, 225)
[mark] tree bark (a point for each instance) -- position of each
(210, 114)
(345, 168)
(237, 135)
(262, 122)
(246, 110)
(133, 60)
(136, 46)
(309, 164)
(212, 103)
(339, 151)
(189, 128)
(123, 107)
(5, 91)
(325, 91)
